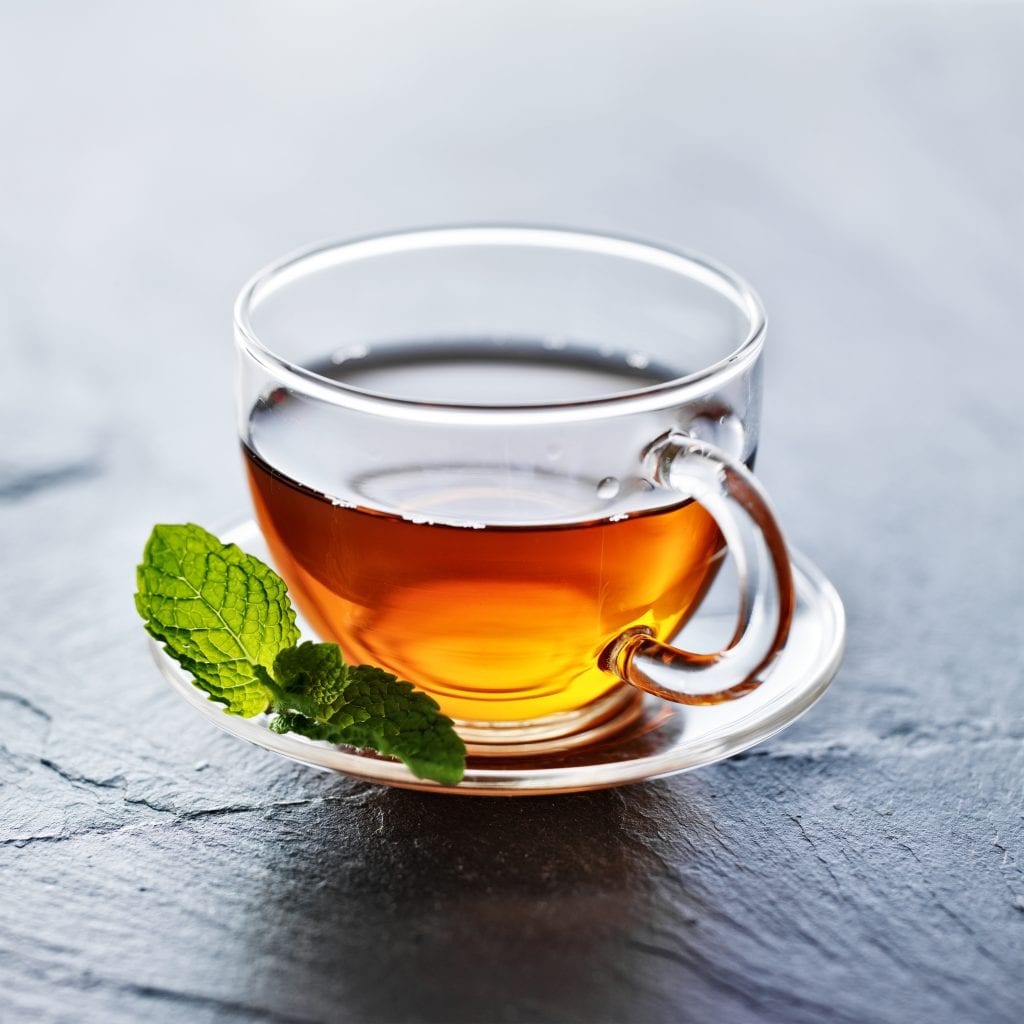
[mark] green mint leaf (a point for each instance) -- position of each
(397, 720)
(364, 706)
(311, 680)
(219, 612)
(225, 617)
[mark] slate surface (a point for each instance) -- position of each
(862, 165)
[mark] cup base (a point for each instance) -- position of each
(601, 719)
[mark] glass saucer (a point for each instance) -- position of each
(658, 738)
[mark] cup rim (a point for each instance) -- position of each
(665, 394)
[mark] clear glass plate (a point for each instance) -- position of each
(662, 739)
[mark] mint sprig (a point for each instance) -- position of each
(225, 617)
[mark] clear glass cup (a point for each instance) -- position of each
(505, 463)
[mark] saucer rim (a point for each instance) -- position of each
(815, 593)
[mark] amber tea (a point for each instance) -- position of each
(494, 587)
(496, 622)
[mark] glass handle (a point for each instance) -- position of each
(732, 495)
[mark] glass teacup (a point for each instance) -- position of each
(506, 463)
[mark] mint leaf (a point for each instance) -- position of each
(392, 717)
(218, 611)
(225, 617)
(311, 680)
(364, 706)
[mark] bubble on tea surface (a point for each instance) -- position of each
(608, 487)
(638, 360)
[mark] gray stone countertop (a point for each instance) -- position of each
(861, 163)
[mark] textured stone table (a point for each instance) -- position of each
(860, 164)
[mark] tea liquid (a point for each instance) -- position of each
(488, 570)
(498, 623)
